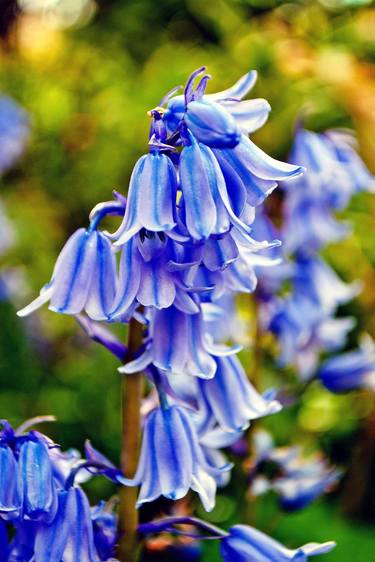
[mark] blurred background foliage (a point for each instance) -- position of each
(87, 72)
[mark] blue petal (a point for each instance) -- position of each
(238, 90)
(157, 287)
(199, 203)
(104, 281)
(50, 540)
(217, 186)
(169, 332)
(219, 253)
(249, 115)
(200, 362)
(129, 280)
(241, 180)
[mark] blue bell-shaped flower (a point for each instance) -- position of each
(39, 490)
(84, 277)
(172, 460)
(151, 201)
(245, 543)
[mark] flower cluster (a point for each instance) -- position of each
(186, 244)
(303, 319)
(185, 241)
(43, 508)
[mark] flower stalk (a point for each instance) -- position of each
(131, 391)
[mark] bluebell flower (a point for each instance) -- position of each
(70, 536)
(301, 480)
(28, 487)
(84, 277)
(292, 321)
(171, 460)
(249, 115)
(303, 330)
(247, 169)
(348, 371)
(229, 265)
(229, 397)
(334, 170)
(178, 343)
(327, 335)
(210, 204)
(245, 543)
(39, 488)
(41, 497)
(14, 131)
(150, 275)
(345, 145)
(212, 442)
(151, 201)
(301, 487)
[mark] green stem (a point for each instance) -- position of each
(132, 386)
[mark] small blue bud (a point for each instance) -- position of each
(211, 124)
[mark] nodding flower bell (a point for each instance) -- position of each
(151, 201)
(84, 277)
(350, 370)
(178, 344)
(151, 276)
(70, 536)
(230, 399)
(249, 115)
(245, 543)
(172, 460)
(210, 205)
(39, 489)
(335, 172)
(248, 168)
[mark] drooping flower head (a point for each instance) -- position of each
(350, 370)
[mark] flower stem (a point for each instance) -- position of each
(128, 547)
